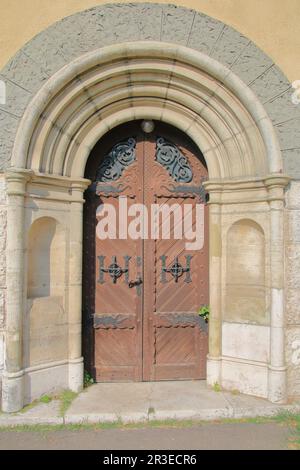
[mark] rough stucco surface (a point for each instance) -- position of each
(104, 25)
(2, 249)
(292, 285)
(2, 268)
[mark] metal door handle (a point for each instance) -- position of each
(137, 282)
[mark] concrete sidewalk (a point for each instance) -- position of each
(144, 401)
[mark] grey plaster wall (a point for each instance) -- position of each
(75, 35)
(3, 225)
(292, 287)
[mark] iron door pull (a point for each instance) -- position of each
(137, 282)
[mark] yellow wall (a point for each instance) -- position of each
(274, 25)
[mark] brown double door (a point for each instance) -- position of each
(143, 284)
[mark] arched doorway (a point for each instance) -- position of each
(83, 102)
(143, 285)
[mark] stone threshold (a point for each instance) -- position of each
(149, 401)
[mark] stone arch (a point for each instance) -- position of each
(168, 83)
(60, 44)
(202, 89)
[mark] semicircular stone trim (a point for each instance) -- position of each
(109, 24)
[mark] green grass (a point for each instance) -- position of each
(31, 405)
(42, 399)
(293, 422)
(66, 398)
(102, 426)
(217, 387)
(46, 399)
(290, 420)
(286, 419)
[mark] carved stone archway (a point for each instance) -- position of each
(189, 90)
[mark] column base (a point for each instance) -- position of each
(277, 385)
(213, 370)
(76, 374)
(12, 392)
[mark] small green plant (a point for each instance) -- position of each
(217, 387)
(45, 399)
(204, 312)
(87, 379)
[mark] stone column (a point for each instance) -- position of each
(215, 288)
(75, 286)
(277, 367)
(12, 384)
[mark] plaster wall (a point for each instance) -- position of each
(274, 27)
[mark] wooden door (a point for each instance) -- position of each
(142, 295)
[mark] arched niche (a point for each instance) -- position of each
(245, 274)
(45, 323)
(45, 255)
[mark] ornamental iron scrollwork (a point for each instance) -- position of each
(120, 157)
(110, 189)
(176, 269)
(190, 190)
(169, 155)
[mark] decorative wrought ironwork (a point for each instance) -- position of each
(176, 269)
(169, 155)
(107, 189)
(114, 270)
(199, 190)
(120, 157)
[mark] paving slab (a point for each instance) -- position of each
(245, 406)
(187, 400)
(137, 402)
(111, 402)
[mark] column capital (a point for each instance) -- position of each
(80, 185)
(276, 184)
(17, 178)
(277, 180)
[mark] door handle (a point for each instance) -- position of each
(137, 282)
